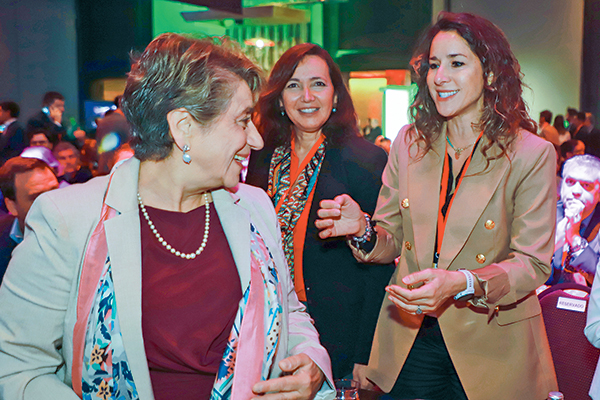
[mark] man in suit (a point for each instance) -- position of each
(577, 245)
(22, 180)
(547, 131)
(50, 117)
(12, 141)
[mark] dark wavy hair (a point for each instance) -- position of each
(504, 111)
(276, 128)
(177, 71)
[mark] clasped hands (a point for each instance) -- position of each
(303, 382)
(568, 228)
(342, 216)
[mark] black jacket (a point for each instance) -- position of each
(344, 296)
(12, 142)
(41, 120)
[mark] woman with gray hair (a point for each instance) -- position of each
(165, 279)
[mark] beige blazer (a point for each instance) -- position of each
(500, 226)
(39, 292)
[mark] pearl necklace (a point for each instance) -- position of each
(161, 240)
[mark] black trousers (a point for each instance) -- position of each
(428, 372)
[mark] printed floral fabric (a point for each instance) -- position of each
(262, 259)
(106, 373)
(296, 196)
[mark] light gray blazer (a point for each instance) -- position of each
(39, 293)
(592, 330)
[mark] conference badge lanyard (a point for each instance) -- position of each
(441, 220)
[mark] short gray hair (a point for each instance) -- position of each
(587, 161)
(177, 71)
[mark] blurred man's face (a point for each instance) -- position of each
(579, 186)
(579, 150)
(68, 161)
(39, 139)
(4, 115)
(56, 109)
(28, 186)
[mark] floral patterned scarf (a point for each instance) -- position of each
(294, 194)
(100, 366)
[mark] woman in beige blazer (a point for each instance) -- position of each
(165, 279)
(468, 204)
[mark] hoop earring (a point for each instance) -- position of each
(186, 157)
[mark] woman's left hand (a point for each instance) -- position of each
(437, 286)
(304, 382)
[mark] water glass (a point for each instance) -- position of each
(346, 389)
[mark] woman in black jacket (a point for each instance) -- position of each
(313, 151)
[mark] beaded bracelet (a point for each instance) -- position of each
(358, 240)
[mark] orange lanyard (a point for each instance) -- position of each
(296, 169)
(441, 221)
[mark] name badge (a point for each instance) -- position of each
(566, 303)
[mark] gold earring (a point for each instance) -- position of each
(490, 78)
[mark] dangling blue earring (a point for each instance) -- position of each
(334, 109)
(186, 157)
(282, 113)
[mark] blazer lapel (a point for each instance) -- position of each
(424, 177)
(236, 225)
(473, 196)
(124, 248)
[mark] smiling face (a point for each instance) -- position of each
(309, 95)
(219, 149)
(455, 77)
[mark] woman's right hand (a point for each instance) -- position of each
(341, 216)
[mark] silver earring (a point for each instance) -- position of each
(186, 157)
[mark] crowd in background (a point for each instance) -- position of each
(309, 126)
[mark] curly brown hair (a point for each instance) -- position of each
(504, 111)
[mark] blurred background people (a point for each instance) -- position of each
(563, 133)
(577, 245)
(112, 137)
(548, 131)
(384, 143)
(50, 117)
(572, 120)
(12, 141)
(372, 131)
(183, 288)
(70, 169)
(39, 137)
(22, 180)
(312, 152)
(462, 305)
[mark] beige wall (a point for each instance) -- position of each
(546, 36)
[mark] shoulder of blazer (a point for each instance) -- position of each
(529, 149)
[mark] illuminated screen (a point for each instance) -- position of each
(396, 101)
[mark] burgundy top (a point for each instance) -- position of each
(188, 306)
